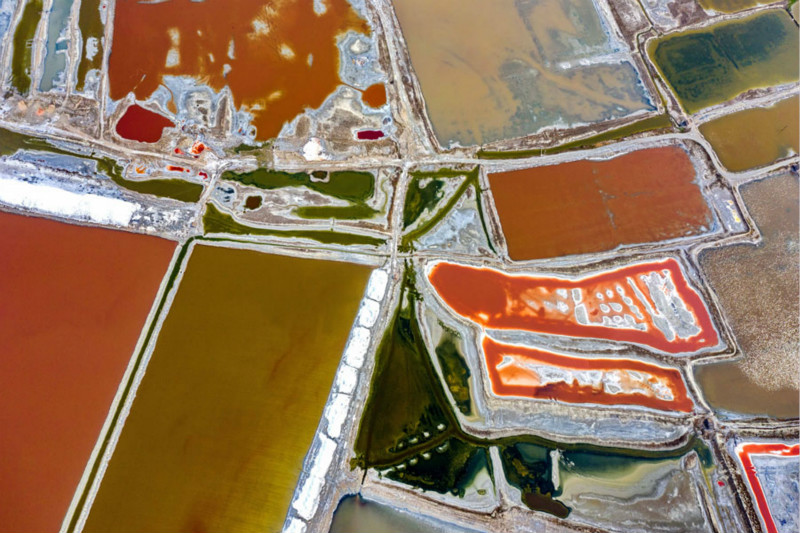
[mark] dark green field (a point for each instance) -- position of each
(713, 65)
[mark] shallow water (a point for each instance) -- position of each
(757, 286)
(354, 514)
(216, 221)
(355, 187)
(232, 396)
(486, 82)
(730, 6)
(375, 95)
(521, 371)
(771, 470)
(55, 61)
(636, 303)
(644, 495)
(455, 370)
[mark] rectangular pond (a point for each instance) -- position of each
(536, 65)
(757, 286)
(232, 395)
(74, 300)
(755, 137)
(592, 206)
(717, 63)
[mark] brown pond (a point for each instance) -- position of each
(253, 202)
(232, 396)
(591, 206)
(374, 95)
(74, 302)
(758, 289)
(277, 58)
(508, 68)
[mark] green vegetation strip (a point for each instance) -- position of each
(454, 369)
(350, 212)
(658, 122)
(23, 46)
(347, 185)
(215, 221)
(90, 25)
(417, 201)
(410, 433)
(355, 187)
(126, 391)
(185, 191)
(421, 198)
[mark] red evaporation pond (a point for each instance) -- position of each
(369, 135)
(745, 451)
(590, 206)
(649, 303)
(536, 373)
(143, 125)
(374, 95)
(75, 300)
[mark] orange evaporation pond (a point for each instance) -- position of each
(74, 302)
(143, 125)
(650, 304)
(534, 373)
(591, 206)
(744, 451)
(277, 57)
(374, 95)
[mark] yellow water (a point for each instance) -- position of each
(755, 137)
(232, 395)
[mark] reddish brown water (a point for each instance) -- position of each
(253, 202)
(74, 302)
(143, 125)
(514, 371)
(592, 206)
(374, 95)
(281, 57)
(614, 305)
